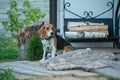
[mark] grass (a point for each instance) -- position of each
(8, 51)
(7, 75)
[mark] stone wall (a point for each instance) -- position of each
(5, 6)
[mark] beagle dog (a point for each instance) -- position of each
(51, 41)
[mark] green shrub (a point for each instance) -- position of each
(5, 42)
(35, 48)
(7, 75)
(7, 49)
(8, 53)
(110, 78)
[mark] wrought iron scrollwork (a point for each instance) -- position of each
(88, 14)
(67, 4)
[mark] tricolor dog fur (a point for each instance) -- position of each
(51, 41)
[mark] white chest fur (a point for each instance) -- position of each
(48, 44)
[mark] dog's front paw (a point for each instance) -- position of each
(43, 62)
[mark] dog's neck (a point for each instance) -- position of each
(48, 38)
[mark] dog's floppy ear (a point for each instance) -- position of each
(42, 32)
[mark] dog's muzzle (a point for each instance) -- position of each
(52, 34)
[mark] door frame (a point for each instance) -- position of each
(53, 12)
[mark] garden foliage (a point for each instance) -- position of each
(35, 48)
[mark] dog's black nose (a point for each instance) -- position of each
(52, 33)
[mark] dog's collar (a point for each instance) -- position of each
(48, 38)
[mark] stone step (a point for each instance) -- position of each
(29, 70)
(110, 72)
(43, 77)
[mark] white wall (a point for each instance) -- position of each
(79, 6)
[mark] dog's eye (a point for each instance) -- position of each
(43, 27)
(52, 28)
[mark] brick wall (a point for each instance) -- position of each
(4, 7)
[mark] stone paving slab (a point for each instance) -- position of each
(43, 77)
(27, 69)
(111, 72)
(22, 76)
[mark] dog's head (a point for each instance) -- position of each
(46, 31)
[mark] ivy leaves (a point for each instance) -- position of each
(13, 16)
(31, 15)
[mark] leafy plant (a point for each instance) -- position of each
(7, 75)
(13, 24)
(110, 78)
(8, 54)
(35, 48)
(18, 18)
(7, 49)
(31, 15)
